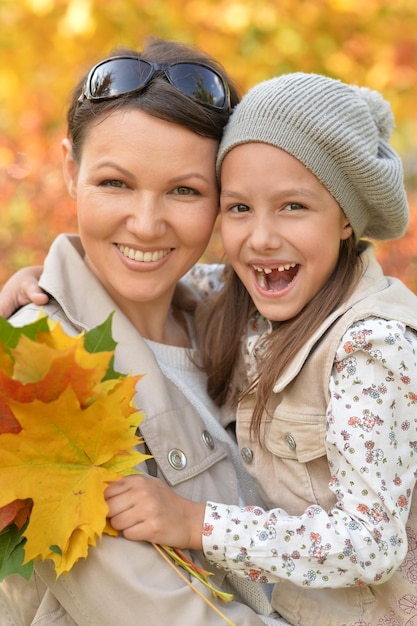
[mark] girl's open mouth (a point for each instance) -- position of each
(275, 278)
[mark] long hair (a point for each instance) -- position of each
(225, 319)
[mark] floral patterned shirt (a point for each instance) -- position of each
(371, 445)
(205, 278)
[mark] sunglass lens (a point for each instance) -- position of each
(199, 83)
(118, 76)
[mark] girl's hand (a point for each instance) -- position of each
(146, 509)
(22, 288)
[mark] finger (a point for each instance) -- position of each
(125, 519)
(118, 505)
(116, 488)
(36, 295)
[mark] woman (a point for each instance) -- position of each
(143, 132)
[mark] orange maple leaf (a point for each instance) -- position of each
(16, 512)
(61, 360)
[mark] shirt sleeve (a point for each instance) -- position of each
(205, 278)
(371, 445)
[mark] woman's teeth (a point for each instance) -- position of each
(145, 257)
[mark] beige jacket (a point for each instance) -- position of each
(124, 583)
(297, 473)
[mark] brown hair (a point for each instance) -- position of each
(227, 316)
(159, 98)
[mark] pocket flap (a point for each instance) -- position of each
(299, 439)
(180, 444)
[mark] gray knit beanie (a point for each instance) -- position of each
(340, 133)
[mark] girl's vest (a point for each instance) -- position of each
(294, 460)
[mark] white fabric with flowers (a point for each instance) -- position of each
(371, 447)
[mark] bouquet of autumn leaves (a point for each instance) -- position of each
(68, 427)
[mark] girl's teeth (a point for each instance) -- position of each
(280, 268)
(261, 280)
(288, 266)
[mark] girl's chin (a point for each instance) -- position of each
(276, 310)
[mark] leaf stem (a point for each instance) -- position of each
(206, 600)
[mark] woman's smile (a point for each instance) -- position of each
(143, 256)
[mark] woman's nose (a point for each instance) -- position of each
(147, 218)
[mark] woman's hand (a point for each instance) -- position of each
(146, 509)
(22, 288)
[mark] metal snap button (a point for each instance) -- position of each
(247, 455)
(290, 441)
(177, 459)
(208, 439)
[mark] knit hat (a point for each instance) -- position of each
(340, 133)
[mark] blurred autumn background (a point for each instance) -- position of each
(45, 45)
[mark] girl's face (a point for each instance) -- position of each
(147, 201)
(281, 228)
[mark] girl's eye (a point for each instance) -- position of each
(239, 208)
(293, 206)
(112, 182)
(184, 191)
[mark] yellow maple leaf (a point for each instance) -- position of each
(63, 459)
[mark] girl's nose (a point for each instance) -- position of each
(263, 234)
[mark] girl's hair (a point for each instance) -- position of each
(224, 322)
(159, 98)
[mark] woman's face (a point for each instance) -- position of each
(147, 201)
(281, 228)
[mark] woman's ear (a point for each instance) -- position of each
(69, 167)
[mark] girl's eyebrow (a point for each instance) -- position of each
(303, 192)
(227, 192)
(299, 191)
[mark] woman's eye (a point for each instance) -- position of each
(184, 191)
(112, 182)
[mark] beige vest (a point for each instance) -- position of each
(295, 466)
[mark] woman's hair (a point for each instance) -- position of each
(159, 98)
(224, 321)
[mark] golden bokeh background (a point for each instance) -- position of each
(45, 46)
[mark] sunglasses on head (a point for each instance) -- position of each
(121, 75)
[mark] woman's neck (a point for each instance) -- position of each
(164, 324)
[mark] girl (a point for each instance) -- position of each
(328, 422)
